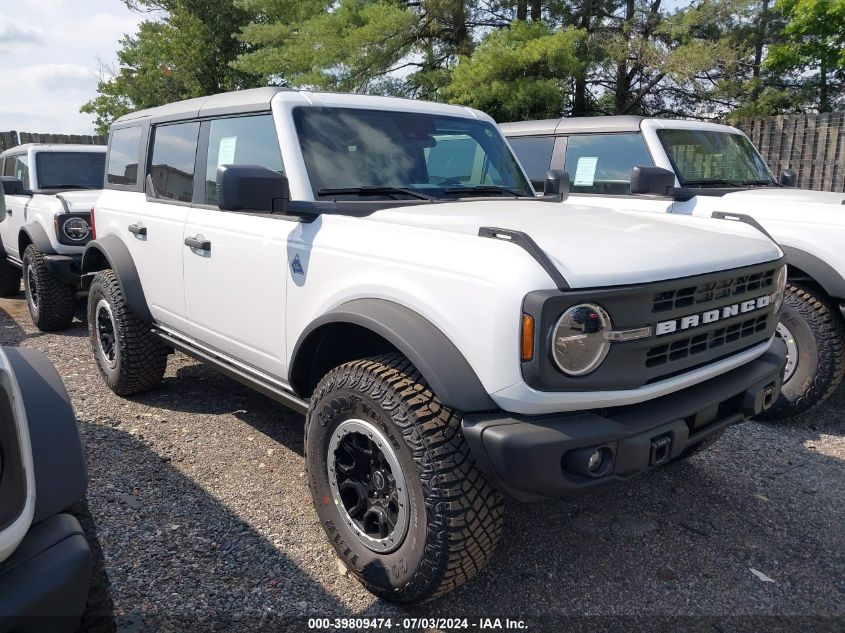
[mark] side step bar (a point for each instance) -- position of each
(261, 385)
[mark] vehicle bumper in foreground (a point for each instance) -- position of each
(44, 585)
(65, 268)
(535, 457)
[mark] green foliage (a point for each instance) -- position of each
(522, 72)
(186, 54)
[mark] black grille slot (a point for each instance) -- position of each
(696, 344)
(713, 291)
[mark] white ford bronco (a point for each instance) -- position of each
(50, 190)
(384, 267)
(709, 170)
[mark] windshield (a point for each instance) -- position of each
(717, 159)
(351, 152)
(70, 170)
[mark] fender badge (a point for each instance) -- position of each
(296, 266)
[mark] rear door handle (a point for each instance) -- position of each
(137, 229)
(196, 242)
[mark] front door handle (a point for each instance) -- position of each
(137, 229)
(8, 210)
(199, 244)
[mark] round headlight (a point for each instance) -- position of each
(780, 286)
(580, 344)
(76, 229)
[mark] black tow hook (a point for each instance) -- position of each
(660, 450)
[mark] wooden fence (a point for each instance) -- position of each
(811, 144)
(10, 139)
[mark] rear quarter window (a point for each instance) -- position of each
(124, 156)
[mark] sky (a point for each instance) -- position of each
(50, 52)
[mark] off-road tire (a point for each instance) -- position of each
(98, 616)
(819, 334)
(10, 278)
(455, 515)
(56, 303)
(695, 449)
(140, 356)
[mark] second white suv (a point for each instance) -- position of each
(50, 191)
(707, 170)
(383, 266)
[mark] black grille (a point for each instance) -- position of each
(713, 291)
(684, 348)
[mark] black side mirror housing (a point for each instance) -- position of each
(556, 186)
(788, 178)
(654, 181)
(252, 188)
(14, 186)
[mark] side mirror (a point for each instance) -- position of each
(13, 186)
(788, 178)
(556, 186)
(251, 188)
(654, 181)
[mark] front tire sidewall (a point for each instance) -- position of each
(379, 571)
(817, 334)
(110, 371)
(56, 303)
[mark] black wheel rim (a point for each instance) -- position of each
(368, 486)
(32, 288)
(105, 332)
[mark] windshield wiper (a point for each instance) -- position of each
(482, 189)
(373, 191)
(715, 181)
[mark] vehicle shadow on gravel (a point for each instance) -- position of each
(198, 549)
(191, 387)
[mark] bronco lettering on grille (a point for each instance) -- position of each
(711, 316)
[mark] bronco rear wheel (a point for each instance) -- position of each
(129, 356)
(394, 484)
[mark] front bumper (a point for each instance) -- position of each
(44, 585)
(535, 457)
(65, 268)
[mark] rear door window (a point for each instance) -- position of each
(602, 163)
(173, 158)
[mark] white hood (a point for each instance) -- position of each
(794, 204)
(595, 247)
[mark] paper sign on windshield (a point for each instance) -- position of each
(586, 171)
(226, 153)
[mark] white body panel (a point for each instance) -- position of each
(246, 297)
(13, 534)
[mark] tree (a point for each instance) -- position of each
(523, 72)
(814, 44)
(182, 54)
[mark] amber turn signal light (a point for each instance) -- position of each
(527, 345)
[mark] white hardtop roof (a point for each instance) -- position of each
(53, 147)
(605, 124)
(260, 99)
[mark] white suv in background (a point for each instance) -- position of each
(710, 170)
(50, 190)
(384, 267)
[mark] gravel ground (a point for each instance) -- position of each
(204, 515)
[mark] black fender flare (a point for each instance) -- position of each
(112, 249)
(36, 235)
(441, 364)
(58, 459)
(831, 281)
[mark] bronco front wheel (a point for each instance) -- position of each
(394, 484)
